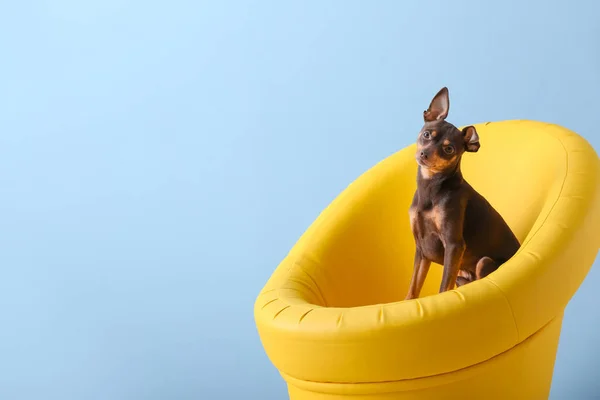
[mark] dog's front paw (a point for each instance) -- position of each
(410, 296)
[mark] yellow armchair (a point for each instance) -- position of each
(331, 317)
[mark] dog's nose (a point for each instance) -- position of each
(423, 155)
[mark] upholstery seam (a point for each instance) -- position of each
(510, 307)
(426, 376)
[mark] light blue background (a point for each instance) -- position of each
(157, 162)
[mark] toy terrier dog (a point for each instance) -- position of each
(452, 224)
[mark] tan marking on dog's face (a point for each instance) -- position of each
(436, 164)
(446, 142)
(434, 133)
(440, 164)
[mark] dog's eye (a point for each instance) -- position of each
(426, 134)
(448, 149)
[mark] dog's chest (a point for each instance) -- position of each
(426, 219)
(426, 225)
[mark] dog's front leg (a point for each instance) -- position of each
(420, 270)
(453, 255)
(454, 249)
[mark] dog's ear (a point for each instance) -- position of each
(471, 139)
(439, 107)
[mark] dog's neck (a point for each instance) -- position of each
(430, 183)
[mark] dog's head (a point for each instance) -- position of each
(440, 144)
